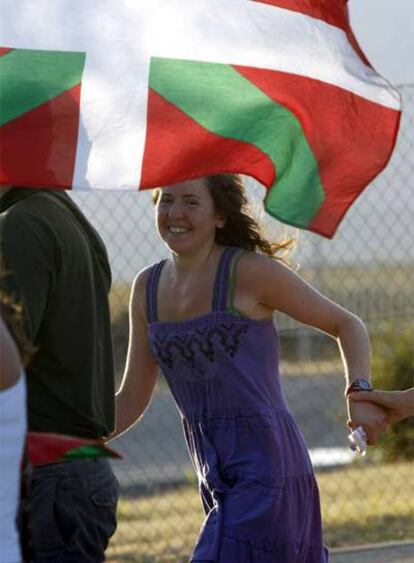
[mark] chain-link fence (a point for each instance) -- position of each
(368, 268)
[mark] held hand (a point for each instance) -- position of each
(398, 404)
(372, 418)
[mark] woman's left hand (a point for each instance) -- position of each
(372, 418)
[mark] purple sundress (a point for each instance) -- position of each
(256, 480)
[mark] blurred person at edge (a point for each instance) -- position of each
(13, 430)
(205, 317)
(398, 405)
(56, 266)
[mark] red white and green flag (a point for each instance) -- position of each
(131, 94)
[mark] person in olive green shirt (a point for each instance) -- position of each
(56, 265)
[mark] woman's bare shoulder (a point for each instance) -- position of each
(141, 278)
(252, 265)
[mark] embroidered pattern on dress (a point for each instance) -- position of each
(200, 342)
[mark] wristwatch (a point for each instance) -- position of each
(358, 385)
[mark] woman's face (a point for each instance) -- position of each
(185, 216)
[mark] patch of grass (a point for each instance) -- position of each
(363, 503)
(367, 503)
(312, 368)
(158, 528)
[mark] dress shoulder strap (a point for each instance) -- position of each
(152, 291)
(221, 284)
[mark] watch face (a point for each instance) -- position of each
(362, 384)
(358, 385)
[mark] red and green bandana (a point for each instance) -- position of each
(43, 448)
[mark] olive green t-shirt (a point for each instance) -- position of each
(56, 265)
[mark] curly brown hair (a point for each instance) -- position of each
(241, 229)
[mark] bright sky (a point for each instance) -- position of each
(385, 31)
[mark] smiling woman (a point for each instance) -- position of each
(229, 201)
(185, 216)
(205, 317)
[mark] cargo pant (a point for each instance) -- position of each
(72, 511)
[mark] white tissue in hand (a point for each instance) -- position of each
(358, 440)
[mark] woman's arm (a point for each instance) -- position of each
(141, 369)
(278, 288)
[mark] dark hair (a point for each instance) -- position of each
(241, 230)
(12, 315)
